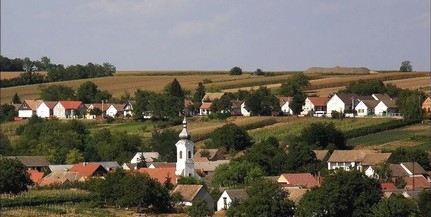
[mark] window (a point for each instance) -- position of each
(224, 203)
(189, 155)
(181, 154)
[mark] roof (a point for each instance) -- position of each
(160, 174)
(397, 170)
(379, 96)
(49, 181)
(118, 107)
(390, 103)
(419, 182)
(212, 96)
(32, 161)
(370, 103)
(236, 103)
(298, 179)
(284, 99)
(349, 155)
(162, 165)
(240, 194)
(409, 166)
(296, 194)
(372, 159)
(149, 156)
(318, 101)
(71, 176)
(322, 155)
(50, 104)
(206, 105)
(108, 165)
(210, 165)
(70, 104)
(187, 103)
(87, 169)
(211, 153)
(35, 175)
(200, 159)
(347, 97)
(188, 192)
(388, 186)
(60, 167)
(130, 166)
(30, 104)
(102, 107)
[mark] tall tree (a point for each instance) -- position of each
(174, 89)
(199, 95)
(410, 104)
(262, 102)
(13, 176)
(142, 102)
(235, 71)
(345, 193)
(236, 174)
(16, 99)
(295, 86)
(200, 209)
(56, 92)
(46, 62)
(7, 112)
(86, 92)
(365, 87)
(230, 137)
(301, 158)
(406, 66)
(322, 136)
(394, 206)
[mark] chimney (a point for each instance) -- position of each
(84, 163)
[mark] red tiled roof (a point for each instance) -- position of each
(70, 104)
(388, 186)
(206, 105)
(161, 173)
(49, 181)
(300, 179)
(419, 182)
(87, 169)
(35, 175)
(318, 101)
(283, 99)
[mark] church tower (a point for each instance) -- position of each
(185, 165)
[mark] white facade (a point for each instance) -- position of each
(185, 165)
(381, 109)
(308, 107)
(224, 201)
(43, 111)
(25, 113)
(362, 109)
(244, 111)
(286, 109)
(335, 104)
(111, 111)
(59, 111)
(344, 165)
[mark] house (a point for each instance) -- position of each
(46, 109)
(211, 154)
(108, 165)
(60, 167)
(148, 156)
(161, 174)
(205, 108)
(52, 181)
(355, 159)
(229, 195)
(99, 106)
(388, 186)
(244, 110)
(340, 102)
(130, 166)
(69, 109)
(416, 183)
(189, 109)
(314, 104)
(89, 169)
(28, 108)
(322, 155)
(373, 160)
(298, 180)
(386, 108)
(115, 110)
(426, 105)
(128, 109)
(59, 175)
(235, 107)
(161, 165)
(366, 107)
(39, 163)
(284, 104)
(413, 169)
(191, 193)
(35, 176)
(209, 167)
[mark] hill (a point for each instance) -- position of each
(338, 70)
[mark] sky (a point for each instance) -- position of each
(271, 35)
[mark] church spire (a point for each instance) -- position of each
(184, 133)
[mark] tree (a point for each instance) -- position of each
(13, 176)
(295, 86)
(46, 62)
(16, 99)
(236, 174)
(322, 136)
(231, 137)
(267, 198)
(164, 106)
(262, 102)
(164, 143)
(74, 156)
(410, 104)
(56, 92)
(423, 203)
(5, 147)
(259, 72)
(345, 193)
(200, 208)
(142, 102)
(406, 66)
(7, 112)
(198, 95)
(86, 92)
(235, 71)
(400, 155)
(394, 206)
(174, 89)
(300, 159)
(365, 87)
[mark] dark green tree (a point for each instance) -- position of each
(259, 72)
(164, 143)
(235, 71)
(164, 106)
(394, 206)
(13, 176)
(56, 92)
(86, 92)
(230, 137)
(400, 155)
(345, 193)
(423, 203)
(406, 66)
(5, 147)
(301, 158)
(46, 63)
(322, 136)
(142, 102)
(174, 89)
(365, 87)
(295, 86)
(198, 95)
(410, 104)
(16, 99)
(200, 208)
(7, 112)
(236, 174)
(262, 102)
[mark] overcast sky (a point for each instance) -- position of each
(219, 34)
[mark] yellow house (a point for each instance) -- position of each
(426, 106)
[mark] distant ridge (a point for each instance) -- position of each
(339, 70)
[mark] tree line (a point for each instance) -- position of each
(55, 72)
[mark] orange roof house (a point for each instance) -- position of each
(298, 180)
(89, 169)
(68, 109)
(35, 176)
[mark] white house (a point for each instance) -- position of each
(366, 107)
(115, 110)
(191, 193)
(207, 102)
(128, 109)
(28, 108)
(361, 160)
(46, 109)
(69, 109)
(230, 195)
(205, 108)
(101, 106)
(244, 111)
(340, 102)
(149, 157)
(313, 104)
(386, 108)
(284, 104)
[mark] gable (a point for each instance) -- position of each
(188, 192)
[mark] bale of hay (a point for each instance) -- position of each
(338, 70)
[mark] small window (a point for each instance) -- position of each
(181, 154)
(190, 154)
